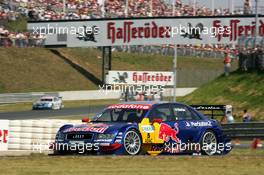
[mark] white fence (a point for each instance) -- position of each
(80, 95)
(23, 97)
(30, 135)
(179, 92)
(89, 95)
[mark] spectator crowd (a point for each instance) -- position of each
(85, 9)
(20, 39)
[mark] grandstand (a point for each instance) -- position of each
(86, 9)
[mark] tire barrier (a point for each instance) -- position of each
(31, 135)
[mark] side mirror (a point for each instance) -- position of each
(157, 120)
(85, 120)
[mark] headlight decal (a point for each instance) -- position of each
(60, 136)
(105, 136)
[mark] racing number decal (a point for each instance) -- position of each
(148, 131)
(3, 136)
(148, 139)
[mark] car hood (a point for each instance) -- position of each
(97, 127)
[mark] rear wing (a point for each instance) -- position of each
(213, 110)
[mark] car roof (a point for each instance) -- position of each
(149, 102)
(47, 97)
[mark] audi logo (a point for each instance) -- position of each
(78, 136)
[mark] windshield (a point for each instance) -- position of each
(46, 99)
(121, 115)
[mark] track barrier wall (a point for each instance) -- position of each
(29, 135)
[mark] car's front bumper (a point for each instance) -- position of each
(41, 107)
(83, 147)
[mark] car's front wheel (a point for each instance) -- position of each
(132, 142)
(209, 143)
(53, 107)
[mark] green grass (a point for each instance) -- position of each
(241, 90)
(237, 163)
(91, 60)
(37, 69)
(15, 107)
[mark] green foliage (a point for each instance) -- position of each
(242, 90)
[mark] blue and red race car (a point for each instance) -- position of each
(154, 128)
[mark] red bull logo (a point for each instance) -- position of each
(166, 132)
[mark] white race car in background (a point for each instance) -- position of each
(48, 102)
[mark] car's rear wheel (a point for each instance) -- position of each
(132, 142)
(209, 143)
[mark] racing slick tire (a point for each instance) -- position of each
(132, 142)
(208, 143)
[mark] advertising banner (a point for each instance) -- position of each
(140, 78)
(147, 31)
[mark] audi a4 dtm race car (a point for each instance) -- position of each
(48, 102)
(134, 128)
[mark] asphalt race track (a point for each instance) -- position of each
(42, 114)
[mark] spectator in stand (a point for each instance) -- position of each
(157, 96)
(227, 63)
(246, 116)
(247, 7)
(140, 96)
(149, 96)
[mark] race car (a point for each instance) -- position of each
(48, 102)
(134, 128)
